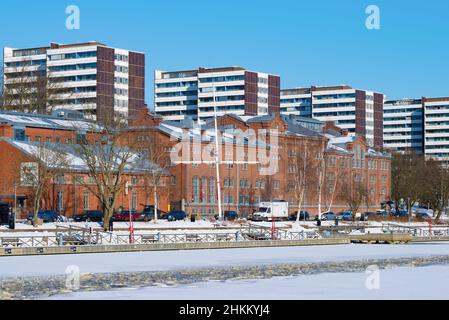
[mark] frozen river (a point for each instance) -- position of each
(419, 283)
(179, 260)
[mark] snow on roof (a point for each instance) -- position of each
(72, 156)
(44, 121)
(207, 134)
(340, 140)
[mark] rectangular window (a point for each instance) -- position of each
(19, 134)
(60, 201)
(134, 201)
(86, 200)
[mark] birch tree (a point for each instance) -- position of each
(321, 172)
(337, 175)
(299, 165)
(50, 161)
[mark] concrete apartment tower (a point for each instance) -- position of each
(354, 110)
(190, 93)
(90, 77)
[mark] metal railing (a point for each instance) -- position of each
(416, 231)
(72, 235)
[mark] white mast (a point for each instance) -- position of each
(217, 159)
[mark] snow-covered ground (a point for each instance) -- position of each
(162, 224)
(179, 260)
(420, 283)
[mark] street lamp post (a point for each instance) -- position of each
(131, 226)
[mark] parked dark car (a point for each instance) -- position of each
(4, 213)
(367, 215)
(423, 215)
(124, 215)
(45, 215)
(90, 216)
(345, 216)
(175, 215)
(303, 215)
(400, 213)
(382, 213)
(231, 215)
(148, 213)
(328, 216)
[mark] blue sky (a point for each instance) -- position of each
(320, 42)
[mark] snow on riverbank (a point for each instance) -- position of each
(420, 283)
(181, 260)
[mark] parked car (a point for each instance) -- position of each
(45, 216)
(400, 213)
(328, 216)
(367, 215)
(231, 215)
(303, 215)
(345, 215)
(423, 215)
(90, 216)
(175, 215)
(124, 215)
(148, 213)
(4, 213)
(382, 213)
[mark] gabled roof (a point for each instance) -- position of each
(73, 158)
(180, 131)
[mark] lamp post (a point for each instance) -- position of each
(15, 198)
(131, 226)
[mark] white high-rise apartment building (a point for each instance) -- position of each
(181, 94)
(296, 101)
(89, 77)
(357, 111)
(436, 128)
(403, 125)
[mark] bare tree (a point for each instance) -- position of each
(50, 161)
(299, 168)
(31, 91)
(435, 189)
(354, 195)
(150, 153)
(107, 160)
(407, 176)
(321, 166)
(336, 178)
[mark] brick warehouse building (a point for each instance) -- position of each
(345, 162)
(65, 193)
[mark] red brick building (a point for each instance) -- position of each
(67, 192)
(346, 163)
(262, 159)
